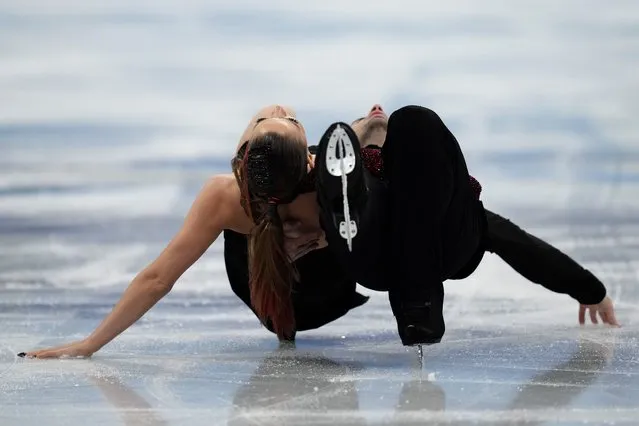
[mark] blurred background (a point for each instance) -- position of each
(113, 114)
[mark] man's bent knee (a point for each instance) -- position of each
(415, 129)
(414, 115)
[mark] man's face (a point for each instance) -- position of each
(376, 120)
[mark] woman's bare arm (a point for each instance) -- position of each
(206, 219)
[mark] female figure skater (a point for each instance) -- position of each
(300, 231)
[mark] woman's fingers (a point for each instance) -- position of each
(593, 315)
(44, 353)
(55, 352)
(582, 314)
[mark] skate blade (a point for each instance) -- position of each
(340, 166)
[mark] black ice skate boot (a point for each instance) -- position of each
(341, 187)
(420, 319)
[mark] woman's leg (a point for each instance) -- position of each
(435, 221)
(367, 205)
(323, 294)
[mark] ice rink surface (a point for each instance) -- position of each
(113, 114)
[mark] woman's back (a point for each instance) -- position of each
(323, 293)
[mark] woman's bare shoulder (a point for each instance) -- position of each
(220, 191)
(223, 184)
(221, 194)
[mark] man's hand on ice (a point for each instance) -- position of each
(604, 309)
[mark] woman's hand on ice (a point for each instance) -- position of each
(604, 309)
(80, 349)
